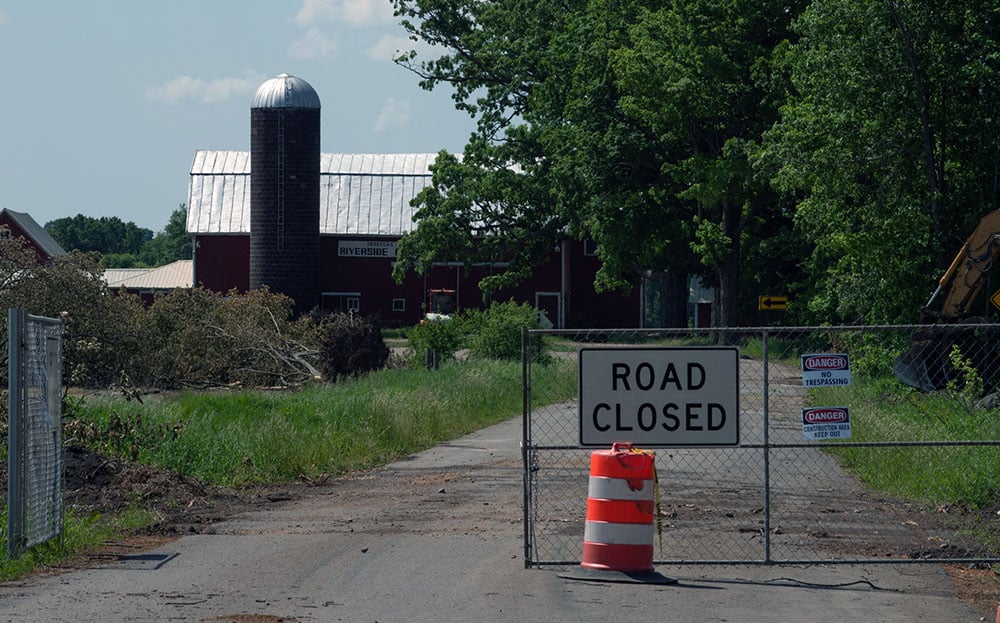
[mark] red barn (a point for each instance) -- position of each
(364, 208)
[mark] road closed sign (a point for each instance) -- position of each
(659, 397)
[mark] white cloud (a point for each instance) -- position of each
(389, 46)
(351, 12)
(394, 114)
(4, 18)
(183, 88)
(312, 44)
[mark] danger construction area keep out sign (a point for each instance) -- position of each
(659, 397)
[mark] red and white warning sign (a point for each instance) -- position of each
(820, 423)
(826, 370)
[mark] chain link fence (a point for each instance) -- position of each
(856, 444)
(34, 454)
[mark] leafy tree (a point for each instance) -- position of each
(101, 335)
(889, 142)
(125, 245)
(697, 75)
(626, 123)
(104, 235)
(171, 244)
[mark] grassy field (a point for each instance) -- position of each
(967, 476)
(235, 438)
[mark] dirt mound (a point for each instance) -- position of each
(99, 484)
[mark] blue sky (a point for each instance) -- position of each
(105, 102)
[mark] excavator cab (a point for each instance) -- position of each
(925, 365)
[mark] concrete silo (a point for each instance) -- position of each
(284, 190)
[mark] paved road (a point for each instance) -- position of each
(437, 537)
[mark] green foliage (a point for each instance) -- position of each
(79, 533)
(616, 124)
(443, 337)
(933, 475)
(496, 332)
(124, 245)
(252, 437)
(967, 384)
(350, 345)
(169, 245)
(101, 235)
(886, 141)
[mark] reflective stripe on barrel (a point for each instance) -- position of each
(618, 535)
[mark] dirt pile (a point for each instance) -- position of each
(99, 484)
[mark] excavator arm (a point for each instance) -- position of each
(966, 276)
(924, 365)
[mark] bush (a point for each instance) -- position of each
(496, 332)
(350, 346)
(442, 337)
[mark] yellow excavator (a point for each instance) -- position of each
(925, 364)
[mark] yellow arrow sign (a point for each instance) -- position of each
(995, 299)
(772, 303)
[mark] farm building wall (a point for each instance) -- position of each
(222, 262)
(356, 275)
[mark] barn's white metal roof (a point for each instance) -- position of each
(360, 194)
(284, 91)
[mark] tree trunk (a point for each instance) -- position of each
(667, 297)
(726, 313)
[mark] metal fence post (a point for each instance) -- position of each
(15, 462)
(767, 449)
(525, 440)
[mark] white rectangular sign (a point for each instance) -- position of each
(371, 249)
(819, 423)
(826, 370)
(659, 397)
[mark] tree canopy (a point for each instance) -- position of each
(830, 149)
(104, 235)
(889, 143)
(124, 245)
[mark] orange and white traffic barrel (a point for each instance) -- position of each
(618, 534)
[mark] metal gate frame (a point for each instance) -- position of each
(555, 468)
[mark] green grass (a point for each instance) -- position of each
(966, 476)
(235, 438)
(80, 533)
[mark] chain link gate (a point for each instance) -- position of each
(35, 454)
(904, 486)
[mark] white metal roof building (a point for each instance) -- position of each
(360, 194)
(179, 274)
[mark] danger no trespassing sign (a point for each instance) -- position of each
(826, 370)
(659, 397)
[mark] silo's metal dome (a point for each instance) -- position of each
(285, 91)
